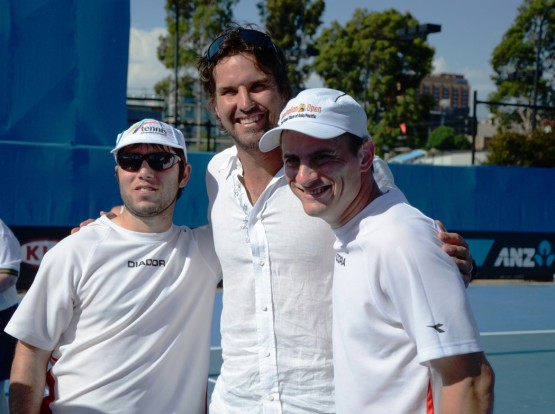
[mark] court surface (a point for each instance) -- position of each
(517, 323)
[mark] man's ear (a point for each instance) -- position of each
(186, 175)
(366, 155)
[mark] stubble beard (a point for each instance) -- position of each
(248, 143)
(149, 211)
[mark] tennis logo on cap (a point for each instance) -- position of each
(148, 127)
(300, 110)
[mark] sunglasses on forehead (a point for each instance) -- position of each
(249, 36)
(158, 161)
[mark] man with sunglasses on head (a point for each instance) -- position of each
(277, 262)
(121, 310)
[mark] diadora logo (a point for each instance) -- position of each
(526, 256)
(340, 259)
(34, 250)
(147, 262)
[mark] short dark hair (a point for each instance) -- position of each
(354, 142)
(270, 60)
(163, 148)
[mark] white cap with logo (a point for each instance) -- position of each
(151, 131)
(320, 113)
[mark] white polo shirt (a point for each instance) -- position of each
(127, 316)
(399, 302)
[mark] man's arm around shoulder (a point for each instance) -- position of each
(468, 382)
(28, 378)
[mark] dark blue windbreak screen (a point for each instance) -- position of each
(63, 70)
(482, 198)
(64, 185)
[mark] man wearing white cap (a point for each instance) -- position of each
(122, 309)
(404, 338)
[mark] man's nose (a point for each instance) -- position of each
(245, 99)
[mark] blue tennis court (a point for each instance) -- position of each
(517, 322)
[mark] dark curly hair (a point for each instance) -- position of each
(270, 60)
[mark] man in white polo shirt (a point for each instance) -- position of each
(122, 309)
(404, 338)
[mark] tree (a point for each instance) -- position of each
(514, 63)
(535, 149)
(198, 21)
(365, 59)
(444, 138)
(293, 24)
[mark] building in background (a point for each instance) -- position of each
(451, 94)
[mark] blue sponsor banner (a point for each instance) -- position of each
(513, 255)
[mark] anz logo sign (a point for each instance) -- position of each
(526, 257)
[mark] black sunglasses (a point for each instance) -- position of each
(249, 36)
(158, 161)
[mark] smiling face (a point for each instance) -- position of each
(331, 181)
(148, 193)
(247, 100)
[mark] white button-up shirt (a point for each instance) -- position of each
(276, 322)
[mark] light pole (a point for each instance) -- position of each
(176, 63)
(538, 65)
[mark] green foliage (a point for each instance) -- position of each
(535, 149)
(514, 63)
(198, 22)
(292, 24)
(444, 138)
(364, 59)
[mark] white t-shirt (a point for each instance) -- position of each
(10, 260)
(276, 322)
(127, 316)
(399, 302)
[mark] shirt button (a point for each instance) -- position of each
(264, 308)
(268, 354)
(271, 397)
(261, 262)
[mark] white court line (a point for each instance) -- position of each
(517, 333)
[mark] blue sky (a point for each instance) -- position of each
(470, 32)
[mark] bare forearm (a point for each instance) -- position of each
(468, 383)
(466, 399)
(27, 379)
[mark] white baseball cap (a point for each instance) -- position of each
(320, 113)
(151, 131)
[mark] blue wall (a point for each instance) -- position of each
(507, 214)
(60, 185)
(63, 185)
(63, 70)
(482, 198)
